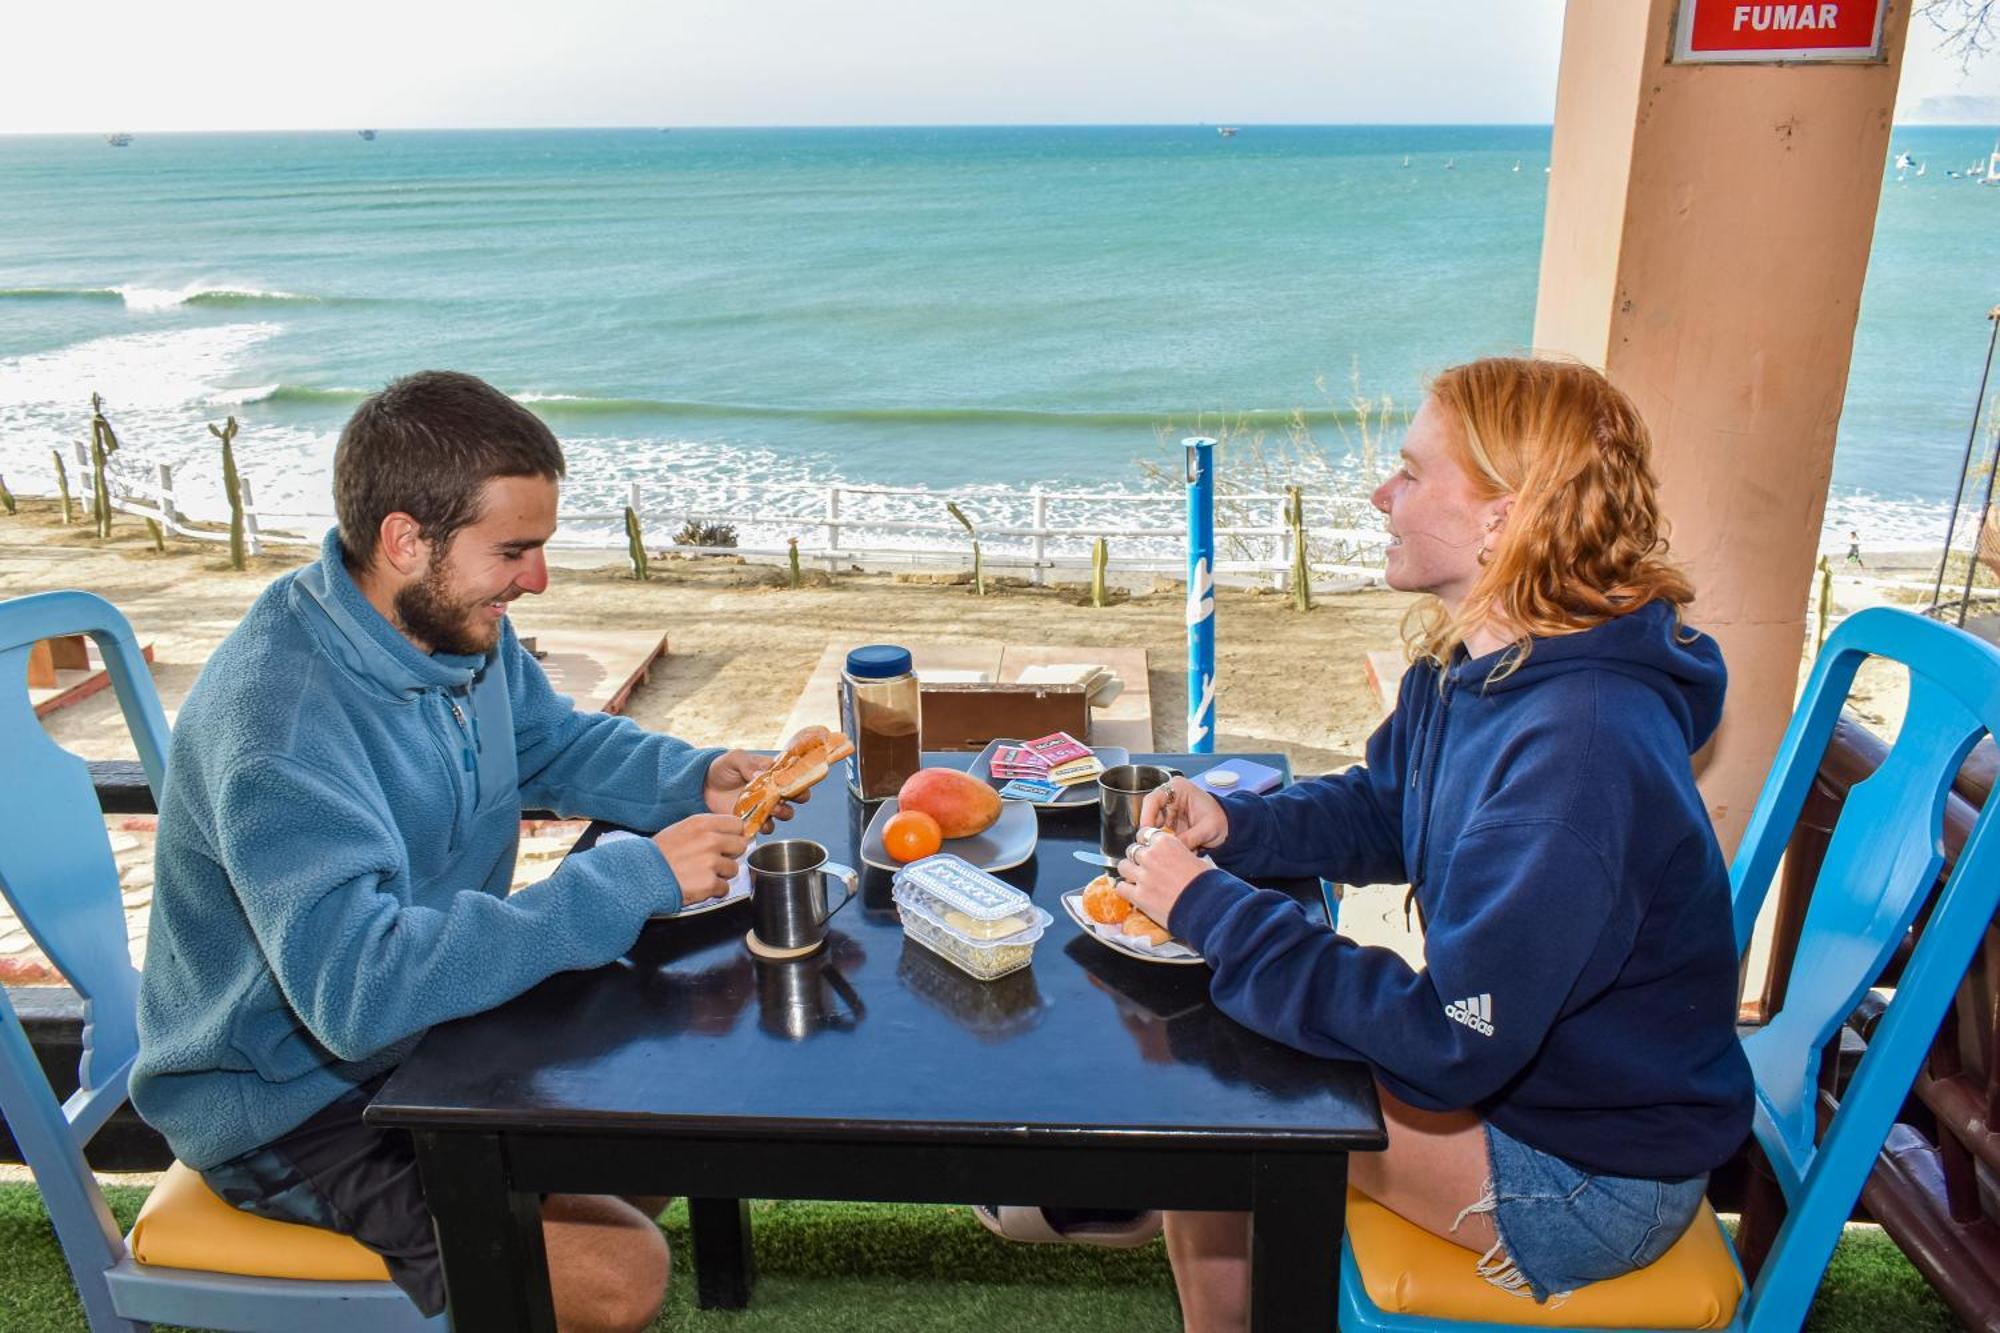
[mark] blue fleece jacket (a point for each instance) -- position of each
(1579, 979)
(337, 838)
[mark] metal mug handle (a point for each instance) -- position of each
(849, 880)
(841, 987)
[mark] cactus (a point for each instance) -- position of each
(1295, 518)
(793, 556)
(62, 485)
(1825, 603)
(103, 444)
(694, 532)
(232, 487)
(1100, 560)
(978, 568)
(636, 545)
(159, 542)
(6, 496)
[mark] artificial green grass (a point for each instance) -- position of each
(35, 1291)
(895, 1268)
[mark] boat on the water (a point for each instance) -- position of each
(118, 140)
(366, 134)
(1226, 131)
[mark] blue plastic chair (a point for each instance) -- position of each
(1884, 856)
(57, 872)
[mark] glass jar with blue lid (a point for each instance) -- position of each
(881, 712)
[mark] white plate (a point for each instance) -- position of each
(1083, 793)
(1010, 842)
(739, 887)
(739, 892)
(1111, 938)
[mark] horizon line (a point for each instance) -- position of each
(656, 127)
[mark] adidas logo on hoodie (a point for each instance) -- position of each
(1475, 1011)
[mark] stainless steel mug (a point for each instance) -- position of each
(1122, 792)
(788, 893)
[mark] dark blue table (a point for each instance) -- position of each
(876, 1071)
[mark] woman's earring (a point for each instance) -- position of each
(1492, 525)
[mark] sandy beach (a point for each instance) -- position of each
(742, 644)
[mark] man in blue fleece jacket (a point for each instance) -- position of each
(1562, 1072)
(337, 839)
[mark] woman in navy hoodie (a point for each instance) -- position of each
(1563, 1072)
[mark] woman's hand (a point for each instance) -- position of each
(730, 774)
(1155, 871)
(1189, 812)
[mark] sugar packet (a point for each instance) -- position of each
(1033, 790)
(1059, 747)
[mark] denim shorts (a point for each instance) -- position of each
(1561, 1227)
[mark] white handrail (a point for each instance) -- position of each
(838, 527)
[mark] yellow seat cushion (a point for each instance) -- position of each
(185, 1225)
(1407, 1270)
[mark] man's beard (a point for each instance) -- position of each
(427, 611)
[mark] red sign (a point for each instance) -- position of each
(1779, 30)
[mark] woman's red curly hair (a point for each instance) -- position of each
(1584, 542)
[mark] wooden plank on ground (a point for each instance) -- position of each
(1128, 719)
(72, 684)
(1385, 676)
(599, 669)
(819, 702)
(41, 666)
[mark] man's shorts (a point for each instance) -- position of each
(338, 1174)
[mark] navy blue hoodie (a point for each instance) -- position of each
(1579, 981)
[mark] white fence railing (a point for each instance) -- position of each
(839, 535)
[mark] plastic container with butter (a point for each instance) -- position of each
(984, 925)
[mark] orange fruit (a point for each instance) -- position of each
(1103, 903)
(911, 835)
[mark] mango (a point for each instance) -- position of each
(961, 804)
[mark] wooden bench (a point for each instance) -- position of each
(1385, 676)
(65, 671)
(1126, 721)
(598, 669)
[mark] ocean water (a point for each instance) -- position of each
(960, 309)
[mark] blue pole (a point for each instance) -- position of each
(1201, 594)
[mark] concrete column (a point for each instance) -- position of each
(1707, 234)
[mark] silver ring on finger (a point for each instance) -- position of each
(1149, 834)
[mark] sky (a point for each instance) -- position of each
(141, 65)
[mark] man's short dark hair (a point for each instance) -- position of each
(426, 446)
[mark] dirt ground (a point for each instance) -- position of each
(742, 644)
